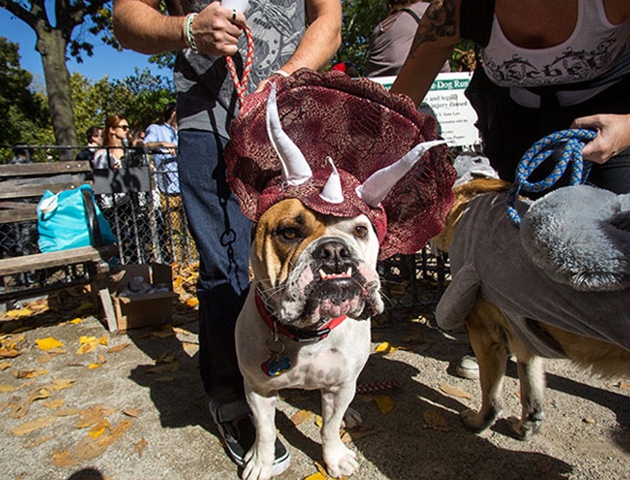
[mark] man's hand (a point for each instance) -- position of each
(214, 32)
(613, 135)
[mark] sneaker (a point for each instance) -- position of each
(238, 436)
(467, 367)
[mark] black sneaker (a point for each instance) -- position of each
(238, 436)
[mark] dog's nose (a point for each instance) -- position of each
(332, 252)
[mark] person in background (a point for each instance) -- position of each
(546, 66)
(161, 140)
(115, 141)
(205, 33)
(391, 39)
(94, 136)
(21, 154)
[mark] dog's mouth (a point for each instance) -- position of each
(333, 283)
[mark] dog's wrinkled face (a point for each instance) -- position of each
(313, 267)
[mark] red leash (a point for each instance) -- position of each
(240, 85)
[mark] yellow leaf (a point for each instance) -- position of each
(103, 340)
(192, 302)
(54, 404)
(76, 321)
(7, 388)
(23, 312)
(301, 417)
(454, 391)
(384, 403)
(9, 352)
(385, 347)
(48, 343)
(131, 412)
(58, 384)
(29, 427)
(4, 365)
(84, 306)
(92, 366)
(316, 476)
(65, 412)
(319, 421)
(87, 345)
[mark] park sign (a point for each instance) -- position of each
(447, 102)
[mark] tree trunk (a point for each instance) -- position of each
(52, 47)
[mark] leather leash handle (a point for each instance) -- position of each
(96, 240)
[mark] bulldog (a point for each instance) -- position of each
(511, 297)
(323, 215)
(305, 323)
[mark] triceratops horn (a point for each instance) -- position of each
(332, 191)
(378, 185)
(295, 168)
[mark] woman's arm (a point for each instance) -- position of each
(437, 33)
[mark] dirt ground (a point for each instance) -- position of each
(131, 407)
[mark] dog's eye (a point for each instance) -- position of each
(360, 231)
(289, 234)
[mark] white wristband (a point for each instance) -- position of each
(188, 31)
(281, 73)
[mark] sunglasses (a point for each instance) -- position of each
(124, 127)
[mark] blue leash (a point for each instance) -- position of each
(574, 141)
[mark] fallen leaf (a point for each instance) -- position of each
(9, 352)
(131, 412)
(301, 417)
(348, 437)
(165, 367)
(434, 420)
(384, 403)
(29, 373)
(48, 343)
(29, 427)
(319, 421)
(118, 348)
(140, 446)
(7, 388)
(624, 386)
(54, 404)
(57, 384)
(65, 412)
(385, 347)
(22, 312)
(5, 365)
(63, 458)
(317, 476)
(92, 366)
(103, 340)
(454, 391)
(163, 334)
(38, 441)
(45, 358)
(76, 321)
(88, 344)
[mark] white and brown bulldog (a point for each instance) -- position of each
(306, 322)
(319, 232)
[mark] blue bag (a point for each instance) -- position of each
(71, 219)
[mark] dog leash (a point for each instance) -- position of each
(573, 141)
(240, 84)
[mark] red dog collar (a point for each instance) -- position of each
(295, 334)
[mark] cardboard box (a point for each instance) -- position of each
(136, 310)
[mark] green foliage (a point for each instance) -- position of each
(359, 19)
(139, 98)
(25, 118)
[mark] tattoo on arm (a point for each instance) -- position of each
(441, 16)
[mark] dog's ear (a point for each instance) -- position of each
(464, 193)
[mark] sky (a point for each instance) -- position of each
(105, 61)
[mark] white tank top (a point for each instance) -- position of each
(591, 50)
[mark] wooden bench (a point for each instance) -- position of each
(21, 187)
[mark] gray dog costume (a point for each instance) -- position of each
(568, 266)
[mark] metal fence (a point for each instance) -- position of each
(146, 214)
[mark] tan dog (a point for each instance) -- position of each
(308, 268)
(492, 335)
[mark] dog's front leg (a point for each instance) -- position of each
(340, 460)
(259, 459)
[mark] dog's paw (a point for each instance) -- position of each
(476, 421)
(352, 419)
(525, 429)
(257, 466)
(340, 461)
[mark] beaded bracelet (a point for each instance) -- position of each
(190, 36)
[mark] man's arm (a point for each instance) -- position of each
(140, 26)
(437, 33)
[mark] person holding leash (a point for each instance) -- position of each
(546, 66)
(204, 33)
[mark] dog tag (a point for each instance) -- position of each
(276, 365)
